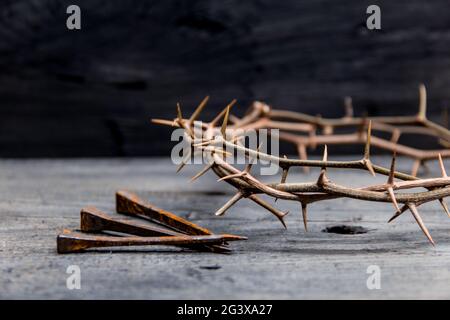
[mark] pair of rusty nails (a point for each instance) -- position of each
(173, 230)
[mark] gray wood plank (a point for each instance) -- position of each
(38, 198)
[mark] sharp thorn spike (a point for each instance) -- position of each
(394, 200)
(398, 213)
(231, 176)
(415, 168)
(284, 175)
(305, 216)
(369, 166)
(280, 215)
(325, 154)
(184, 161)
(221, 114)
(238, 196)
(199, 109)
(181, 166)
(225, 122)
(444, 205)
(202, 172)
(248, 167)
(392, 170)
(441, 164)
(412, 207)
(367, 146)
(179, 114)
(422, 114)
(322, 176)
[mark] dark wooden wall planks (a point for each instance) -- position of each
(91, 92)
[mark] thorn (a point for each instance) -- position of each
(204, 143)
(422, 114)
(163, 122)
(369, 166)
(303, 156)
(220, 115)
(280, 215)
(305, 216)
(198, 110)
(325, 155)
(444, 205)
(179, 114)
(367, 147)
(202, 172)
(398, 213)
(415, 213)
(416, 167)
(181, 166)
(231, 176)
(184, 161)
(238, 196)
(322, 177)
(248, 167)
(441, 164)
(394, 200)
(284, 175)
(392, 171)
(225, 122)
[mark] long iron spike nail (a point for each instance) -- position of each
(130, 204)
(198, 110)
(305, 216)
(441, 165)
(75, 242)
(238, 196)
(202, 172)
(412, 207)
(94, 220)
(280, 215)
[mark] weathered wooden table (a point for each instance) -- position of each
(38, 198)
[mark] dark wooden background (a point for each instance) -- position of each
(92, 92)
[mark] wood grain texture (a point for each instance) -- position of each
(38, 198)
(91, 92)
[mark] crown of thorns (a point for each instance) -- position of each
(215, 139)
